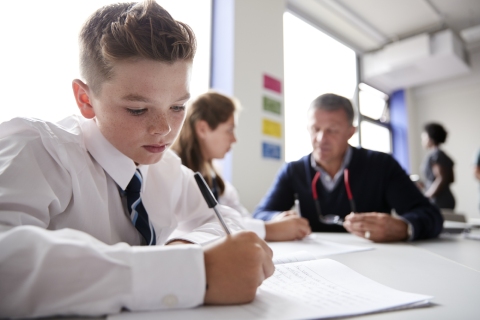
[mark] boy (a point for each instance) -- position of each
(77, 197)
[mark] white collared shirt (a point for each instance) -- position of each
(231, 199)
(67, 245)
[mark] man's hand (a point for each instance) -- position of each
(235, 266)
(289, 227)
(378, 227)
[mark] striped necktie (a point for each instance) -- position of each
(137, 211)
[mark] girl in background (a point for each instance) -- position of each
(437, 167)
(208, 133)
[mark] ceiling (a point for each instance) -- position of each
(368, 25)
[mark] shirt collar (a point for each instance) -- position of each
(120, 167)
(346, 161)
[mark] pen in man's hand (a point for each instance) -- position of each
(297, 205)
(210, 199)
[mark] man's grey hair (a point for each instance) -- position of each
(333, 102)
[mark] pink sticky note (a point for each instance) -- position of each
(272, 83)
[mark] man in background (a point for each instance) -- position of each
(341, 188)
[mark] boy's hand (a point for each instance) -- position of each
(235, 266)
(289, 227)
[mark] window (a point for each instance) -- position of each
(314, 64)
(374, 120)
(40, 53)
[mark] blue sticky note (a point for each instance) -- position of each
(270, 150)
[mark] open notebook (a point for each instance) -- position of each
(304, 288)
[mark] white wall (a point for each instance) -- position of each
(258, 49)
(456, 104)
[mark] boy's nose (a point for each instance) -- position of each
(159, 125)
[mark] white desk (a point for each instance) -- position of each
(420, 268)
(446, 268)
(455, 248)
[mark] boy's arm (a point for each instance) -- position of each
(68, 272)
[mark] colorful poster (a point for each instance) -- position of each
(272, 128)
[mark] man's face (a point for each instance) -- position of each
(141, 110)
(329, 134)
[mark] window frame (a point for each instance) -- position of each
(386, 124)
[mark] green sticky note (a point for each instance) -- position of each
(272, 105)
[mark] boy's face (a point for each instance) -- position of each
(141, 110)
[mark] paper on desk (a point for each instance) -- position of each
(293, 257)
(473, 234)
(315, 246)
(308, 289)
(322, 289)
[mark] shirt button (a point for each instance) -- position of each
(170, 300)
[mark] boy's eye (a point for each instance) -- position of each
(137, 112)
(178, 108)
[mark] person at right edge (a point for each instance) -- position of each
(377, 184)
(477, 169)
(437, 167)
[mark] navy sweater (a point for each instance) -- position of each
(377, 182)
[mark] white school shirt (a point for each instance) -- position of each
(67, 245)
(231, 199)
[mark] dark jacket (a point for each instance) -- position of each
(377, 182)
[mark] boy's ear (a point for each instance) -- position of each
(82, 97)
(201, 128)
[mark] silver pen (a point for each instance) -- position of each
(210, 199)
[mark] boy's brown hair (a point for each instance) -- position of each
(127, 31)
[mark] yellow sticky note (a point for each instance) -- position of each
(272, 128)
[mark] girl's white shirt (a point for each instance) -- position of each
(230, 198)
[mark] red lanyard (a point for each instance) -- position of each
(347, 188)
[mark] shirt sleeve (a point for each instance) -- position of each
(442, 159)
(231, 199)
(68, 272)
(478, 159)
(402, 195)
(279, 198)
(197, 221)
